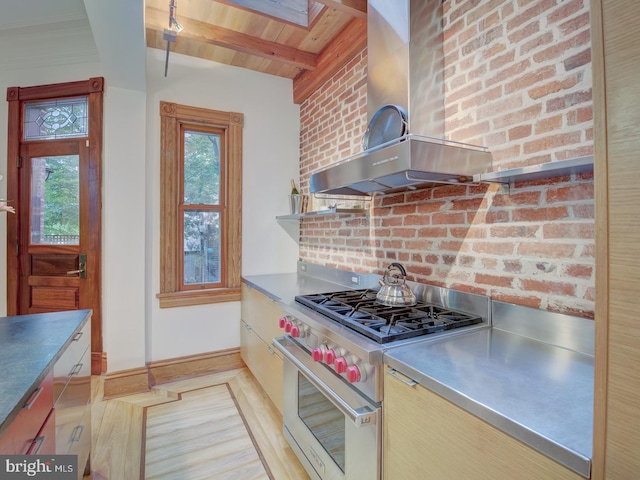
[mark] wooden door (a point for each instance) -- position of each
(54, 258)
(53, 268)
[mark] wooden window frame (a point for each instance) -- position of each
(173, 117)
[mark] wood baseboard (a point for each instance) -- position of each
(98, 363)
(104, 362)
(138, 380)
(126, 382)
(164, 371)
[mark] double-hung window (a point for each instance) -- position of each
(200, 205)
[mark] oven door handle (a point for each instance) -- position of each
(364, 416)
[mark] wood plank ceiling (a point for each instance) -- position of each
(275, 40)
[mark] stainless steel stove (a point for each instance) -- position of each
(333, 347)
(360, 311)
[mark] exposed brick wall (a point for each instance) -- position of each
(334, 119)
(518, 80)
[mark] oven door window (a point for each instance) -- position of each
(322, 418)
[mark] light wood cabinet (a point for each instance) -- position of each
(428, 437)
(260, 317)
(72, 387)
(616, 109)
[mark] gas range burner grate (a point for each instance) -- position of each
(360, 311)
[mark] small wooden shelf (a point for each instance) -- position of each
(328, 211)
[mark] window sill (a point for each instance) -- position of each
(199, 297)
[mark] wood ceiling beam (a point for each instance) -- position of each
(195, 30)
(355, 8)
(347, 44)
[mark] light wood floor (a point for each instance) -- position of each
(219, 426)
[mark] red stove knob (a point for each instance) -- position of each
(353, 374)
(295, 331)
(317, 354)
(282, 322)
(329, 357)
(340, 365)
(287, 326)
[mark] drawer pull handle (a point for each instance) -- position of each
(398, 376)
(76, 434)
(36, 445)
(247, 327)
(32, 399)
(77, 336)
(75, 370)
(270, 350)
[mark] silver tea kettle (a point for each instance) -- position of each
(394, 291)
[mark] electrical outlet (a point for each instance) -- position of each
(355, 280)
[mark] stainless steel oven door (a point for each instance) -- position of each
(334, 430)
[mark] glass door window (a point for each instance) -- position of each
(55, 200)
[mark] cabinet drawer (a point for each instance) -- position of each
(81, 435)
(264, 362)
(24, 429)
(81, 441)
(424, 432)
(261, 313)
(77, 389)
(68, 365)
(45, 441)
(72, 429)
(73, 434)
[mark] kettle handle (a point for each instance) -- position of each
(399, 267)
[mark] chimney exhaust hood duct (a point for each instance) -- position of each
(405, 74)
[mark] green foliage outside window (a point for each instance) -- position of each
(62, 196)
(202, 229)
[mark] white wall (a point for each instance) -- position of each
(270, 159)
(124, 214)
(135, 330)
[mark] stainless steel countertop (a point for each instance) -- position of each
(538, 393)
(285, 286)
(535, 391)
(311, 278)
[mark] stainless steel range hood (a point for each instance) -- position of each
(410, 162)
(406, 69)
